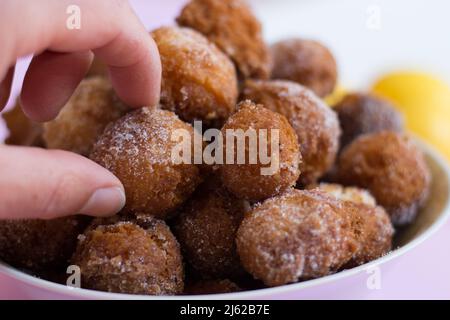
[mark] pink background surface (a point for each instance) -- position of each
(423, 273)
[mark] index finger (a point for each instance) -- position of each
(109, 28)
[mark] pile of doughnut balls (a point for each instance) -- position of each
(348, 174)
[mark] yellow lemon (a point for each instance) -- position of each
(424, 100)
(336, 96)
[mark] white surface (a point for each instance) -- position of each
(412, 34)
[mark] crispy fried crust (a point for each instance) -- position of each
(309, 234)
(392, 168)
(372, 224)
(232, 26)
(199, 82)
(40, 245)
(130, 257)
(307, 62)
(206, 230)
(138, 150)
(246, 181)
(316, 125)
(298, 235)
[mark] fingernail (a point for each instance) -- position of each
(105, 202)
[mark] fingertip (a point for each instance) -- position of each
(135, 87)
(107, 193)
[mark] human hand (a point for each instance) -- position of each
(36, 183)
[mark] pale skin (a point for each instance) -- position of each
(45, 184)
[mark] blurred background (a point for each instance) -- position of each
(397, 48)
(368, 37)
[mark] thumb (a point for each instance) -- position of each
(37, 183)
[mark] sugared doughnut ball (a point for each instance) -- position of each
(373, 227)
(22, 130)
(130, 257)
(298, 235)
(138, 149)
(84, 117)
(206, 230)
(40, 245)
(373, 230)
(307, 62)
(199, 82)
(316, 125)
(212, 287)
(392, 168)
(266, 161)
(361, 113)
(233, 27)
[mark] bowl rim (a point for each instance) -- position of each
(79, 293)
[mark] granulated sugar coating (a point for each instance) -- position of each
(306, 62)
(206, 230)
(40, 245)
(84, 117)
(138, 257)
(298, 235)
(316, 125)
(373, 230)
(363, 113)
(212, 287)
(247, 181)
(233, 27)
(199, 82)
(372, 224)
(138, 150)
(392, 168)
